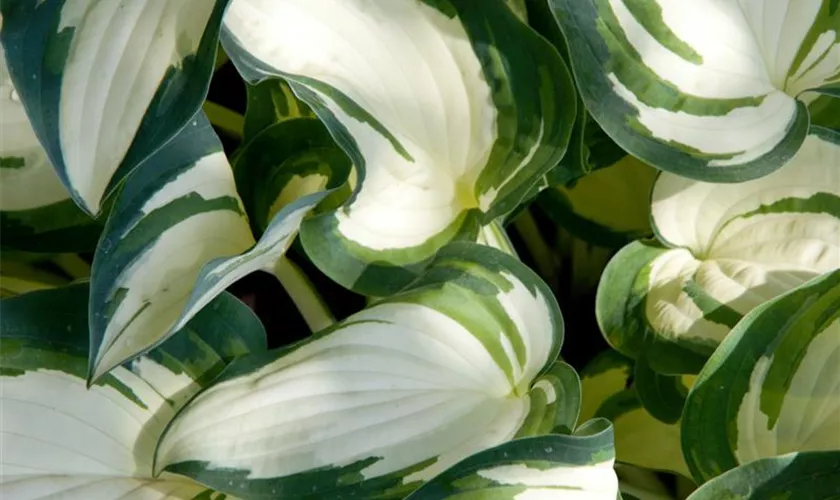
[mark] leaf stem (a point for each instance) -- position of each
(11, 286)
(494, 235)
(303, 293)
(543, 256)
(73, 265)
(229, 121)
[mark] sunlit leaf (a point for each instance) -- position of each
(723, 250)
(708, 90)
(177, 237)
(61, 439)
(576, 467)
(388, 398)
(107, 83)
(773, 386)
(452, 111)
(640, 439)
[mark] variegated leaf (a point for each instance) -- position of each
(554, 402)
(108, 82)
(732, 247)
(825, 112)
(177, 237)
(61, 439)
(640, 439)
(711, 90)
(813, 475)
(604, 208)
(173, 216)
(495, 235)
(270, 102)
(451, 110)
(36, 212)
(388, 398)
(284, 162)
(772, 387)
(589, 148)
(576, 467)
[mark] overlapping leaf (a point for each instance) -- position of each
(452, 112)
(709, 90)
(36, 212)
(732, 247)
(571, 467)
(608, 208)
(107, 83)
(175, 214)
(773, 386)
(390, 397)
(177, 237)
(270, 102)
(795, 475)
(590, 148)
(64, 440)
(284, 162)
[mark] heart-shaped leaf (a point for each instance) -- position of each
(452, 111)
(709, 90)
(390, 397)
(724, 249)
(62, 439)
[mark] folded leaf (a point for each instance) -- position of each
(270, 102)
(711, 90)
(286, 161)
(555, 402)
(36, 212)
(64, 440)
(589, 147)
(553, 466)
(173, 216)
(451, 110)
(388, 398)
(177, 237)
(733, 247)
(608, 208)
(795, 475)
(107, 83)
(772, 387)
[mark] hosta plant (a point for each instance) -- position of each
(719, 252)
(318, 249)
